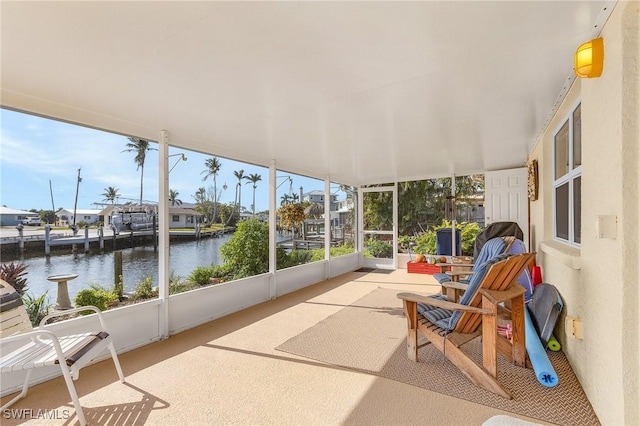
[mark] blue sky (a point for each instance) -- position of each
(35, 150)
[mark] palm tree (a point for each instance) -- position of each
(202, 204)
(140, 147)
(213, 168)
(284, 199)
(295, 198)
(173, 197)
(200, 195)
(253, 178)
(240, 175)
(110, 194)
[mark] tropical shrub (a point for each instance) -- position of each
(14, 275)
(341, 250)
(404, 240)
(201, 275)
(36, 308)
(283, 260)
(144, 289)
(426, 243)
(247, 253)
(223, 272)
(316, 255)
(94, 296)
(180, 286)
(468, 234)
(205, 275)
(300, 257)
(379, 249)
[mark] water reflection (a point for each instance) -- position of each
(137, 264)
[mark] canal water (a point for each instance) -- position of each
(137, 264)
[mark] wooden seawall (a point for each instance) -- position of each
(47, 241)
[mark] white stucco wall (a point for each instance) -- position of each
(599, 280)
(631, 210)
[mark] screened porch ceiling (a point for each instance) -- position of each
(364, 92)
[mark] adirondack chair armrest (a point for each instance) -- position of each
(498, 296)
(455, 285)
(458, 272)
(95, 309)
(458, 265)
(417, 298)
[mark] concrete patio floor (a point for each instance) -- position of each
(228, 372)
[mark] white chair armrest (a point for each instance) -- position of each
(43, 322)
(35, 334)
(51, 341)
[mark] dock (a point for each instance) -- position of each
(47, 239)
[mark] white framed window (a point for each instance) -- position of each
(567, 179)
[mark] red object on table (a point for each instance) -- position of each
(536, 275)
(425, 268)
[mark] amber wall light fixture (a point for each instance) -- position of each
(589, 59)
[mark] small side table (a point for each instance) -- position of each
(63, 302)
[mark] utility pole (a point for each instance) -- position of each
(75, 206)
(53, 206)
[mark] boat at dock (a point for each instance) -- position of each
(133, 219)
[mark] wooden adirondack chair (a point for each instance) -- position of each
(448, 325)
(36, 348)
(490, 249)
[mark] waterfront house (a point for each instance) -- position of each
(318, 197)
(13, 217)
(343, 207)
(182, 217)
(65, 217)
(370, 95)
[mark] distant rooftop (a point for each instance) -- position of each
(7, 210)
(81, 211)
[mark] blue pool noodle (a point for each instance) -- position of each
(542, 367)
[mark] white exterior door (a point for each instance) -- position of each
(506, 198)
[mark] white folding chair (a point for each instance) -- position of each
(44, 348)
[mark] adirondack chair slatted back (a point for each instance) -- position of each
(498, 273)
(524, 279)
(501, 276)
(491, 249)
(494, 271)
(447, 319)
(13, 315)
